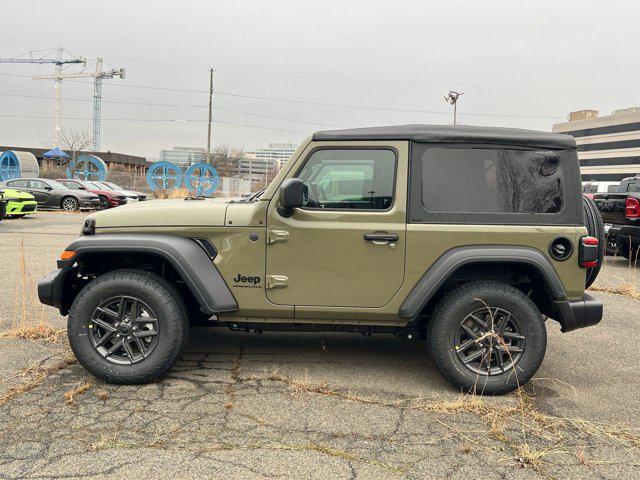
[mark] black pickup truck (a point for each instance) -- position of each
(621, 213)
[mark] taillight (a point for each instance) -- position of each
(588, 252)
(632, 208)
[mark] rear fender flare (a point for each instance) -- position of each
(453, 259)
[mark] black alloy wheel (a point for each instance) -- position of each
(124, 330)
(489, 341)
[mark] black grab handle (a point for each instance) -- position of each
(381, 237)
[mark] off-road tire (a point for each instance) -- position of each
(468, 298)
(595, 228)
(70, 204)
(156, 292)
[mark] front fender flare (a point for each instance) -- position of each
(186, 256)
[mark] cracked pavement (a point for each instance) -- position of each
(292, 405)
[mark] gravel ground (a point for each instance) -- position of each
(292, 405)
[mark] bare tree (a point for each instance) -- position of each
(226, 160)
(75, 141)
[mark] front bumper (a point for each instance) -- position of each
(50, 289)
(19, 207)
(90, 203)
(578, 314)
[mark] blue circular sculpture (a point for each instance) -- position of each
(9, 166)
(202, 178)
(164, 176)
(87, 167)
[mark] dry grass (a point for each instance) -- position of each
(168, 193)
(514, 423)
(81, 389)
(626, 283)
(28, 320)
(34, 376)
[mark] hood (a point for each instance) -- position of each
(81, 193)
(164, 213)
(10, 193)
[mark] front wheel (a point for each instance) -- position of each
(128, 326)
(70, 204)
(487, 337)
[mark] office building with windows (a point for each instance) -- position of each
(184, 157)
(274, 152)
(609, 146)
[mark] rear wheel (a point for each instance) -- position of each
(128, 326)
(69, 204)
(595, 228)
(487, 337)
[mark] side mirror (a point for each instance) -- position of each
(47, 187)
(81, 187)
(291, 196)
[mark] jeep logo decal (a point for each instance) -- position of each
(246, 281)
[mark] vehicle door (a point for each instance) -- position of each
(41, 191)
(344, 248)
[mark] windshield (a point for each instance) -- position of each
(100, 186)
(113, 186)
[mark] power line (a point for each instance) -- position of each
(356, 79)
(157, 120)
(340, 105)
(176, 106)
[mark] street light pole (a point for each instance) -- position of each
(210, 116)
(452, 98)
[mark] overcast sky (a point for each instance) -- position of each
(521, 64)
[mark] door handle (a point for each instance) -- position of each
(381, 237)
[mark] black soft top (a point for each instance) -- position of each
(453, 134)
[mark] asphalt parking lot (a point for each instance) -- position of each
(281, 405)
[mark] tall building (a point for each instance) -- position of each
(256, 168)
(608, 147)
(279, 152)
(184, 157)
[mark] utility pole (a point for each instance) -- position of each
(210, 116)
(452, 98)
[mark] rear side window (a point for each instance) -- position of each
(490, 181)
(456, 183)
(633, 187)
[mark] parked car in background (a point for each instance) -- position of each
(19, 203)
(52, 194)
(621, 214)
(108, 197)
(592, 187)
(139, 196)
(3, 205)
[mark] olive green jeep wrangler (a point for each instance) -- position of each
(468, 237)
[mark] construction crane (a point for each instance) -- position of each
(58, 62)
(98, 75)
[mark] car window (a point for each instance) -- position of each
(18, 183)
(633, 187)
(56, 185)
(37, 184)
(492, 181)
(71, 185)
(590, 189)
(349, 179)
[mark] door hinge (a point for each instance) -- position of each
(274, 236)
(276, 281)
